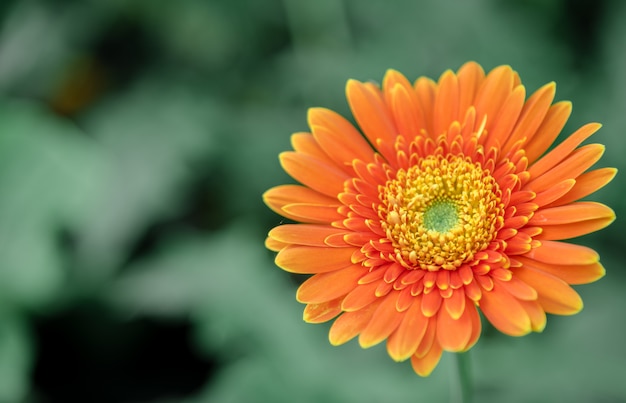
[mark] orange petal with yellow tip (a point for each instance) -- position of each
(560, 152)
(327, 286)
(277, 197)
(323, 312)
(392, 79)
(310, 259)
(552, 124)
(429, 338)
(274, 245)
(555, 295)
(350, 324)
(305, 143)
(403, 342)
(476, 324)
(431, 302)
(338, 137)
(586, 184)
(314, 173)
(573, 230)
(571, 274)
(577, 163)
(453, 334)
(370, 112)
(518, 288)
(571, 213)
(424, 366)
(455, 304)
(505, 312)
(312, 213)
(536, 314)
(473, 290)
(304, 234)
(563, 253)
(384, 321)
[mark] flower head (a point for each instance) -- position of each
(446, 206)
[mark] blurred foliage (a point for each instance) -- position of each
(136, 138)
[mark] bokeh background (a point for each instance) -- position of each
(136, 139)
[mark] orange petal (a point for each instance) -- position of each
(278, 197)
(471, 76)
(563, 253)
(574, 212)
(549, 130)
(404, 104)
(560, 152)
(324, 287)
(588, 183)
(431, 303)
(502, 127)
(305, 143)
(405, 298)
(518, 289)
(473, 290)
(476, 324)
(274, 245)
(304, 234)
(319, 313)
(493, 92)
(350, 324)
(429, 338)
(360, 297)
(371, 113)
(554, 193)
(310, 259)
(314, 173)
(535, 110)
(384, 321)
(312, 213)
(425, 89)
(338, 138)
(505, 312)
(571, 274)
(446, 102)
(536, 314)
(455, 305)
(453, 334)
(575, 164)
(287, 194)
(424, 366)
(404, 341)
(555, 296)
(573, 230)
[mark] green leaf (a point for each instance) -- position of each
(15, 358)
(47, 174)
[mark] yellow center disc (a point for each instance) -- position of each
(440, 212)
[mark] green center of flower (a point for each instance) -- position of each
(440, 216)
(440, 212)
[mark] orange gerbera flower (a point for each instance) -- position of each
(448, 206)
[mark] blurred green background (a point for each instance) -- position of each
(136, 139)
